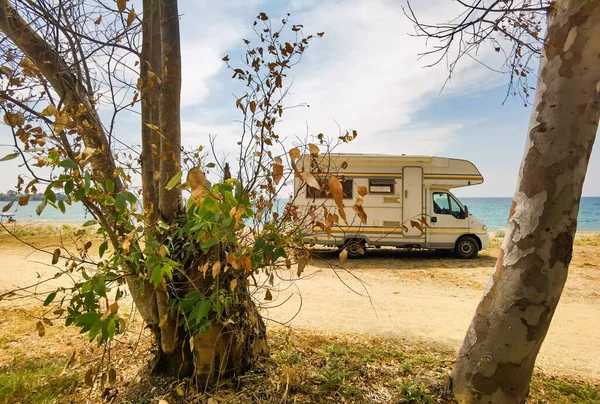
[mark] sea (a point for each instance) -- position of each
(492, 211)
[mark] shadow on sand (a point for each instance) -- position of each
(402, 259)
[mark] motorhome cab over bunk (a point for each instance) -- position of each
(400, 189)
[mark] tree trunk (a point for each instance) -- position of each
(496, 361)
(224, 350)
(149, 107)
(170, 102)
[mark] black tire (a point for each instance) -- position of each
(466, 248)
(354, 248)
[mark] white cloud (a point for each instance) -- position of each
(365, 75)
(208, 30)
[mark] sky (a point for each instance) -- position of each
(363, 74)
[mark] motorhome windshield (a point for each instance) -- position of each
(445, 203)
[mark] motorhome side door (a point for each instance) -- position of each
(412, 199)
(447, 221)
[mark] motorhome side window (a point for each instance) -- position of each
(381, 186)
(347, 187)
(444, 204)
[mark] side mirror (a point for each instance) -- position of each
(466, 214)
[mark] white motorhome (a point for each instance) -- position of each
(400, 189)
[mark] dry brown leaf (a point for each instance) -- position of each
(310, 180)
(268, 295)
(314, 149)
(216, 268)
(162, 251)
(253, 106)
(89, 380)
(232, 260)
(179, 391)
(112, 376)
(131, 17)
(204, 269)
(361, 213)
(277, 172)
(246, 263)
(361, 250)
(359, 201)
(98, 20)
(362, 190)
(337, 191)
(343, 256)
(121, 4)
(163, 320)
(55, 256)
(112, 309)
(342, 213)
(49, 110)
(294, 154)
(40, 328)
(61, 121)
(197, 181)
(233, 284)
(302, 261)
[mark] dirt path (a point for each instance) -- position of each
(425, 298)
(416, 297)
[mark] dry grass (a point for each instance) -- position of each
(304, 367)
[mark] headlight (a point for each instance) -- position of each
(484, 227)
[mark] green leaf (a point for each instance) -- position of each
(61, 206)
(79, 194)
(129, 197)
(90, 223)
(174, 181)
(8, 206)
(111, 327)
(123, 198)
(68, 187)
(41, 207)
(156, 276)
(87, 319)
(200, 311)
(96, 327)
(50, 195)
(121, 202)
(102, 249)
(110, 186)
(10, 157)
(49, 298)
(211, 204)
(67, 163)
(87, 179)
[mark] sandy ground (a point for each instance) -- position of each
(418, 297)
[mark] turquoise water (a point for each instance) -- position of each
(493, 212)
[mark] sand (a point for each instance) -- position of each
(418, 297)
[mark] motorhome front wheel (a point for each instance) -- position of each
(466, 247)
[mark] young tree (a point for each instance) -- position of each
(496, 361)
(69, 69)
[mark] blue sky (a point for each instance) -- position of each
(364, 75)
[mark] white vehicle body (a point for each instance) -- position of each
(401, 189)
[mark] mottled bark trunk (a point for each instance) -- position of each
(496, 361)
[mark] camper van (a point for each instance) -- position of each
(409, 203)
